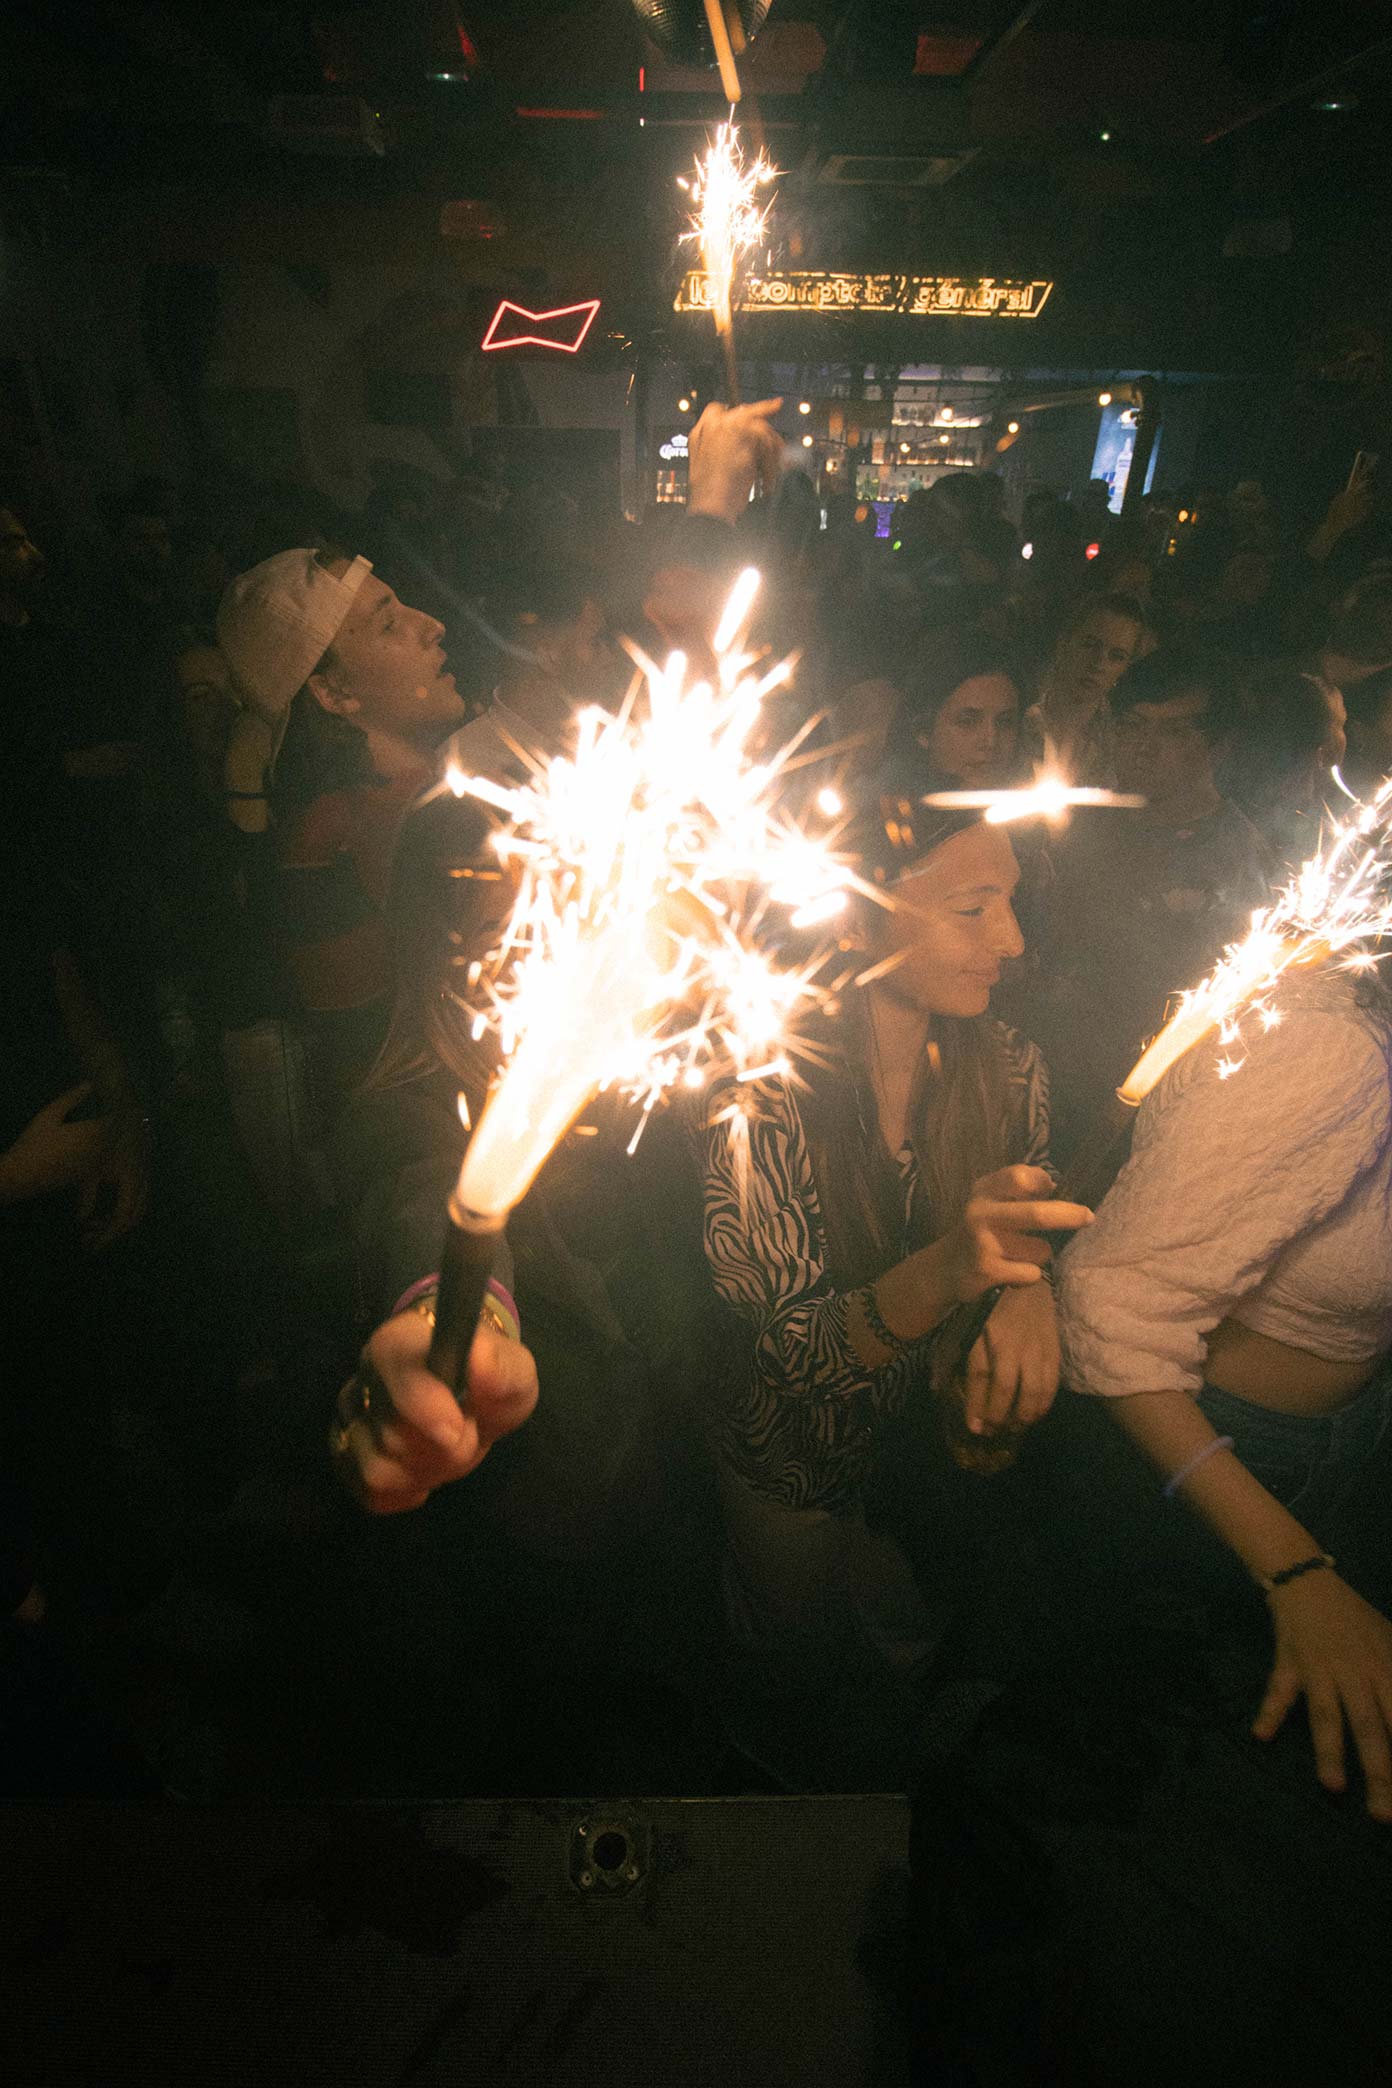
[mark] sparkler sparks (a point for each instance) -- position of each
(647, 862)
(1048, 797)
(727, 223)
(1337, 903)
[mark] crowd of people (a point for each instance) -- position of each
(742, 1495)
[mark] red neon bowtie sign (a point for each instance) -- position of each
(513, 326)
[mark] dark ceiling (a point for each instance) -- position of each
(1193, 151)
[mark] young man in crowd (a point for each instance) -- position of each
(1144, 901)
(1070, 722)
(347, 699)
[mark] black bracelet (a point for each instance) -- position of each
(1290, 1573)
(879, 1326)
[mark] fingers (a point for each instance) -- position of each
(1013, 1182)
(1028, 1217)
(1003, 1385)
(1039, 1380)
(415, 1436)
(397, 1353)
(375, 1481)
(976, 1388)
(1368, 1725)
(1281, 1692)
(502, 1384)
(1327, 1731)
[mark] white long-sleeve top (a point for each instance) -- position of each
(1264, 1198)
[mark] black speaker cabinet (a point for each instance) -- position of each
(730, 1943)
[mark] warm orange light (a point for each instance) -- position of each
(804, 405)
(683, 405)
(1012, 428)
(807, 442)
(1104, 398)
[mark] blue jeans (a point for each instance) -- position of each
(1311, 1462)
(1101, 1512)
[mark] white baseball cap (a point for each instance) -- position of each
(274, 625)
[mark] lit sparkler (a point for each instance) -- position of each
(1335, 905)
(727, 223)
(1048, 797)
(647, 862)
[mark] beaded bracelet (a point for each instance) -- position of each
(879, 1326)
(1269, 1582)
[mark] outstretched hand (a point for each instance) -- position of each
(999, 1238)
(734, 451)
(411, 1435)
(1335, 1650)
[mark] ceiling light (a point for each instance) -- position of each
(804, 405)
(1012, 428)
(1104, 398)
(903, 449)
(944, 438)
(1105, 137)
(683, 405)
(807, 442)
(946, 413)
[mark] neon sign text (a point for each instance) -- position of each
(911, 296)
(506, 329)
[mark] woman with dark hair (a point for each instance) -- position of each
(958, 725)
(846, 1216)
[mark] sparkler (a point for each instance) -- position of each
(1336, 903)
(727, 223)
(1048, 797)
(647, 861)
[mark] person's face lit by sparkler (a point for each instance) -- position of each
(973, 738)
(1164, 751)
(1092, 656)
(386, 670)
(952, 925)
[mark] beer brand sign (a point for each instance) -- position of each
(908, 296)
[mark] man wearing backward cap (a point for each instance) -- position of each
(346, 694)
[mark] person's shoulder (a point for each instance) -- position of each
(317, 830)
(1020, 1055)
(1315, 1055)
(1230, 829)
(738, 1107)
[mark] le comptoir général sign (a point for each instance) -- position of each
(909, 296)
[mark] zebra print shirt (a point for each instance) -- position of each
(799, 1424)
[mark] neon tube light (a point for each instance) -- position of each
(502, 332)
